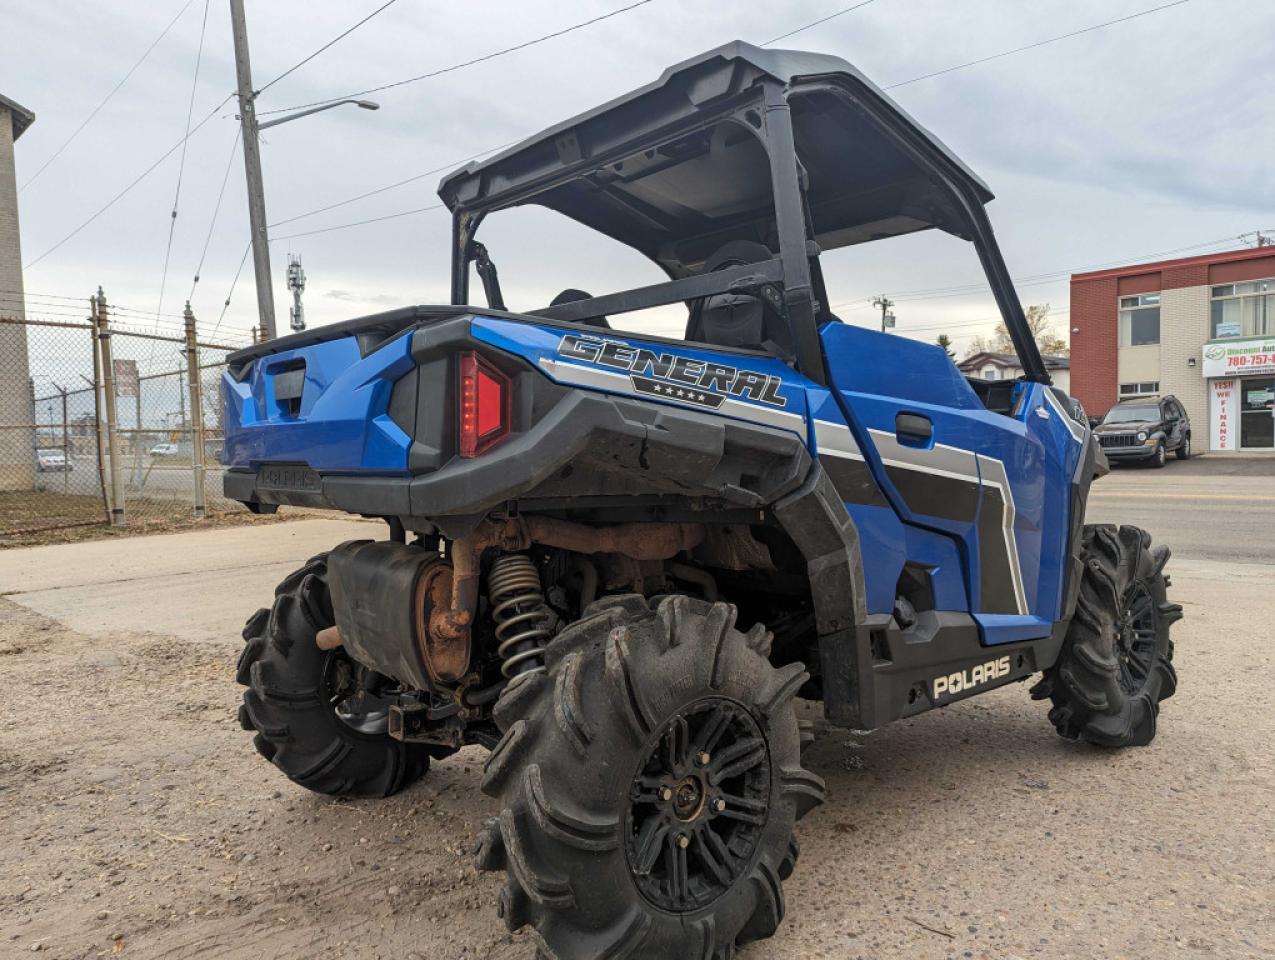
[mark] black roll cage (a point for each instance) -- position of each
(763, 109)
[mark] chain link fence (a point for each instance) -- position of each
(108, 420)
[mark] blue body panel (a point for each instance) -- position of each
(1003, 522)
(343, 425)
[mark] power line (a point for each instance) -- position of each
(390, 186)
(815, 23)
(114, 90)
(334, 40)
(234, 148)
(360, 223)
(233, 283)
(181, 164)
(1038, 43)
(939, 293)
(467, 63)
(140, 177)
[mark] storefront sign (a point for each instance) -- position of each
(1224, 421)
(1239, 358)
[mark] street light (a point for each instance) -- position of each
(363, 104)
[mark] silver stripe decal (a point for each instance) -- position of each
(1009, 514)
(1075, 429)
(587, 376)
(836, 440)
(959, 464)
(942, 460)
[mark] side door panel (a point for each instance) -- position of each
(887, 544)
(932, 483)
(996, 485)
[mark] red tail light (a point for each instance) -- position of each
(484, 405)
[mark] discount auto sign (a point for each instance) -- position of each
(1239, 358)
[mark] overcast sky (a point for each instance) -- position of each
(1134, 140)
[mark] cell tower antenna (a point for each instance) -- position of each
(296, 283)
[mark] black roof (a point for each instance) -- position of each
(1053, 361)
(21, 117)
(658, 170)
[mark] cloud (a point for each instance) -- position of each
(1147, 135)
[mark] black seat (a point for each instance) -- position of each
(571, 295)
(739, 319)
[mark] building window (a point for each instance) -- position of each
(1148, 388)
(1242, 310)
(989, 373)
(1140, 320)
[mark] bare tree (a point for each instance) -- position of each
(1041, 326)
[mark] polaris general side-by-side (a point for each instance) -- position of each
(615, 560)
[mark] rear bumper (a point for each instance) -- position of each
(587, 445)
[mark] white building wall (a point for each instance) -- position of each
(1184, 328)
(1140, 364)
(16, 446)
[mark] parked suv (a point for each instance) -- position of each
(1146, 429)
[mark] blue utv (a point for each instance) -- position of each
(614, 560)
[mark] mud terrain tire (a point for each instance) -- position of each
(1116, 663)
(288, 703)
(600, 862)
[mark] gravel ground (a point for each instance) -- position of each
(136, 821)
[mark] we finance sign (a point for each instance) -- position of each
(1239, 358)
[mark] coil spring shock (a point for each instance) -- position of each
(521, 614)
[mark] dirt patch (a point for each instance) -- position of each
(137, 821)
(35, 517)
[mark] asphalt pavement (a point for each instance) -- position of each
(1211, 508)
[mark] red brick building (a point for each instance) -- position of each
(1200, 328)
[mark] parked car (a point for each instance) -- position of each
(1145, 430)
(164, 450)
(52, 461)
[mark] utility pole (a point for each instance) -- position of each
(884, 303)
(118, 518)
(252, 168)
(252, 162)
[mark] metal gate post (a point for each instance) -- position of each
(96, 384)
(196, 411)
(118, 518)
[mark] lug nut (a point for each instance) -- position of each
(666, 793)
(703, 759)
(683, 841)
(719, 805)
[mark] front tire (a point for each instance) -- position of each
(649, 782)
(1158, 458)
(294, 702)
(1116, 663)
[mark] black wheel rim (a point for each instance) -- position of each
(1136, 639)
(698, 805)
(343, 686)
